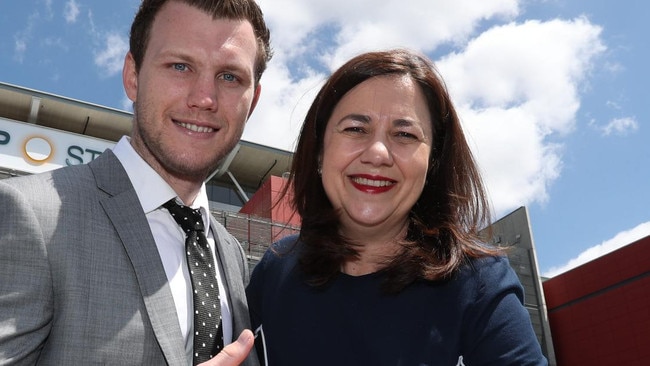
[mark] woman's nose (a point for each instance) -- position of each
(377, 153)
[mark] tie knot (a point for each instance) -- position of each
(188, 218)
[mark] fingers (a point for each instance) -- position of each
(234, 353)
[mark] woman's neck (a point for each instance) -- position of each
(374, 250)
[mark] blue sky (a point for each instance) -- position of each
(552, 93)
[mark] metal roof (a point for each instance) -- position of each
(248, 165)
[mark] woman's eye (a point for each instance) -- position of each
(407, 135)
(354, 129)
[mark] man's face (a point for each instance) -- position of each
(193, 93)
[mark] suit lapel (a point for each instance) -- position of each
(123, 209)
(226, 255)
(235, 270)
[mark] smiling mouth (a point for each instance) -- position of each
(195, 128)
(372, 182)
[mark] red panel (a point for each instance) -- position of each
(629, 261)
(599, 313)
(263, 203)
(260, 204)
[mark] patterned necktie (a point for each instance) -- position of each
(208, 335)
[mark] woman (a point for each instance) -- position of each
(388, 268)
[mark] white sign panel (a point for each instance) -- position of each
(33, 149)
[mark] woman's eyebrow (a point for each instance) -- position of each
(356, 117)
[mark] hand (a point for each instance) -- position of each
(234, 353)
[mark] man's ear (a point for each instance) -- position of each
(130, 77)
(256, 97)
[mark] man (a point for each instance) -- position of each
(92, 266)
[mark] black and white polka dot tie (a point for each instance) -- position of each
(208, 335)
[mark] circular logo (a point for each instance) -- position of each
(37, 149)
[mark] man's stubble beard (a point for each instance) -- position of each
(166, 161)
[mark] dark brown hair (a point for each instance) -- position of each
(446, 219)
(227, 9)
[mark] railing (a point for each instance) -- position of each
(255, 234)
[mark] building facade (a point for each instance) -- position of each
(513, 233)
(599, 312)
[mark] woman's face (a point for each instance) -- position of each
(376, 152)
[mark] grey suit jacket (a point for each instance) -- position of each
(81, 281)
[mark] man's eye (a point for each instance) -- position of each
(229, 77)
(179, 67)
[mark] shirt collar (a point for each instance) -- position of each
(152, 190)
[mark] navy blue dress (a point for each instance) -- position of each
(476, 318)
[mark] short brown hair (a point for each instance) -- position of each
(227, 9)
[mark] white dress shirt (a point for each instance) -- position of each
(153, 192)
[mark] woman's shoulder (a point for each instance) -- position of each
(276, 266)
(489, 277)
(488, 262)
(485, 265)
(287, 245)
(281, 253)
(488, 274)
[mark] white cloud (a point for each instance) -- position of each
(282, 107)
(127, 104)
(23, 38)
(517, 89)
(56, 42)
(111, 58)
(38, 18)
(517, 163)
(71, 11)
(20, 47)
(516, 85)
(388, 23)
(613, 105)
(49, 14)
(620, 240)
(91, 23)
(537, 66)
(321, 35)
(620, 126)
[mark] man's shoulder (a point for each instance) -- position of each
(31, 181)
(221, 232)
(103, 171)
